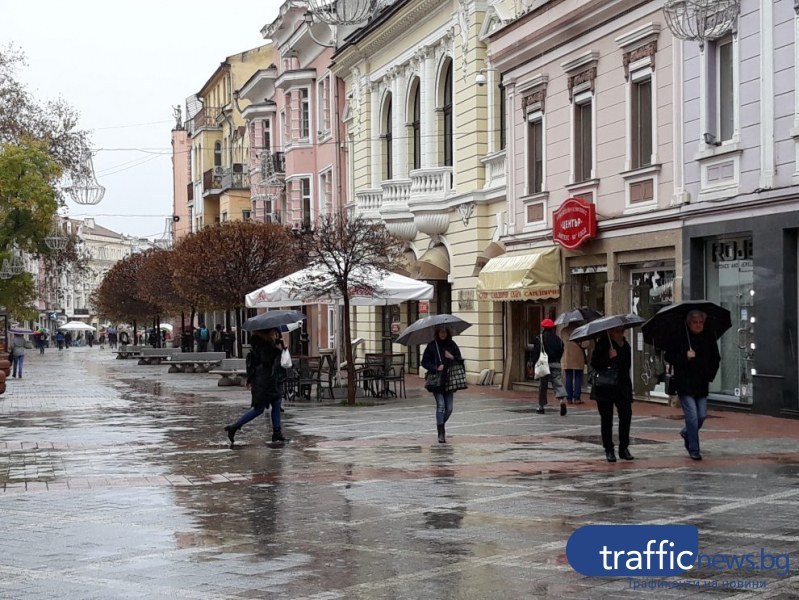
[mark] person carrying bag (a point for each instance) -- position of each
(439, 359)
(546, 354)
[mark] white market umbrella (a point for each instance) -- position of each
(167, 327)
(76, 326)
(392, 289)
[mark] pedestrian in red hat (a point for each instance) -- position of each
(553, 346)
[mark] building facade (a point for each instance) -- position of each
(590, 115)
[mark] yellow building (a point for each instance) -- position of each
(219, 141)
(427, 157)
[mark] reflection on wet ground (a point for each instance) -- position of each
(117, 481)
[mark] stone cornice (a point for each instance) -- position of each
(399, 26)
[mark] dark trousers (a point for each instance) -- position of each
(625, 410)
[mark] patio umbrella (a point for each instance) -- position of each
(423, 331)
(667, 329)
(578, 315)
(594, 328)
(20, 331)
(272, 320)
(76, 326)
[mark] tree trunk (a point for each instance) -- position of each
(191, 328)
(135, 333)
(348, 353)
(238, 331)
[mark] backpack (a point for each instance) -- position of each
(204, 334)
(216, 337)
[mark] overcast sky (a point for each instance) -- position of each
(123, 65)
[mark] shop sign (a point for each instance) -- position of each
(574, 223)
(395, 328)
(732, 253)
(526, 294)
(424, 307)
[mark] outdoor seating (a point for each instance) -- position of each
(128, 351)
(395, 375)
(373, 373)
(233, 372)
(154, 356)
(194, 362)
(307, 376)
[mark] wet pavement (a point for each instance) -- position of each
(117, 481)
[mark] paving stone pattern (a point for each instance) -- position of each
(117, 481)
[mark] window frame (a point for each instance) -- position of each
(306, 202)
(305, 113)
(635, 131)
(578, 105)
(535, 120)
(447, 117)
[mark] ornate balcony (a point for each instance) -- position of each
(395, 211)
(495, 165)
(430, 189)
(367, 203)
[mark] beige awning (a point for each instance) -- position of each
(433, 264)
(532, 276)
(493, 250)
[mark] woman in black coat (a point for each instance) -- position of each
(440, 355)
(265, 379)
(695, 363)
(554, 348)
(612, 351)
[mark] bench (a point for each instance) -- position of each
(128, 351)
(194, 362)
(154, 356)
(232, 370)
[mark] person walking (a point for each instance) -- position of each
(553, 346)
(572, 365)
(202, 336)
(59, 339)
(441, 355)
(17, 355)
(695, 366)
(216, 338)
(265, 379)
(228, 341)
(613, 352)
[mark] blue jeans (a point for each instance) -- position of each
(574, 383)
(443, 406)
(257, 412)
(695, 411)
(17, 364)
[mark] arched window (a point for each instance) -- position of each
(218, 154)
(387, 150)
(416, 130)
(447, 115)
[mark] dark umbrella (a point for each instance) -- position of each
(578, 315)
(423, 331)
(667, 329)
(272, 320)
(595, 328)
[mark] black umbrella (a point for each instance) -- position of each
(272, 320)
(668, 330)
(578, 315)
(423, 331)
(595, 328)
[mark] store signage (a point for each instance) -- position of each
(424, 307)
(523, 294)
(574, 223)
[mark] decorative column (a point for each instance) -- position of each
(428, 101)
(374, 138)
(399, 128)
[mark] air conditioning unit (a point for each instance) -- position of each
(238, 167)
(219, 171)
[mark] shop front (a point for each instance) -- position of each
(528, 286)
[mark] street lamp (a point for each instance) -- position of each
(701, 20)
(343, 12)
(56, 240)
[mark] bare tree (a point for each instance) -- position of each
(349, 254)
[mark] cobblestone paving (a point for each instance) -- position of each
(117, 481)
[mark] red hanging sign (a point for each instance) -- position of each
(574, 223)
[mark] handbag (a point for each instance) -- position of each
(606, 379)
(541, 368)
(456, 378)
(670, 381)
(434, 380)
(285, 359)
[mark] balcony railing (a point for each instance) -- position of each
(396, 191)
(235, 178)
(494, 170)
(212, 180)
(367, 203)
(206, 118)
(430, 185)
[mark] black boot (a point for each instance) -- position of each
(610, 455)
(625, 454)
(277, 435)
(231, 433)
(442, 436)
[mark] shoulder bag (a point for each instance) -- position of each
(541, 368)
(434, 380)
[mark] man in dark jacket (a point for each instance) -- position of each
(553, 346)
(696, 363)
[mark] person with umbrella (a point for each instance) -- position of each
(265, 375)
(696, 362)
(611, 384)
(574, 353)
(553, 346)
(441, 355)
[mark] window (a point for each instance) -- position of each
(218, 154)
(246, 215)
(305, 114)
(503, 116)
(322, 102)
(416, 134)
(306, 203)
(266, 133)
(446, 110)
(535, 153)
(387, 141)
(284, 125)
(641, 122)
(224, 217)
(583, 138)
(725, 91)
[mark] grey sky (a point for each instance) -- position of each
(123, 65)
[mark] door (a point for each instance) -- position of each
(650, 290)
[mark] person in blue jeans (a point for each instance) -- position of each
(695, 363)
(440, 355)
(265, 379)
(17, 355)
